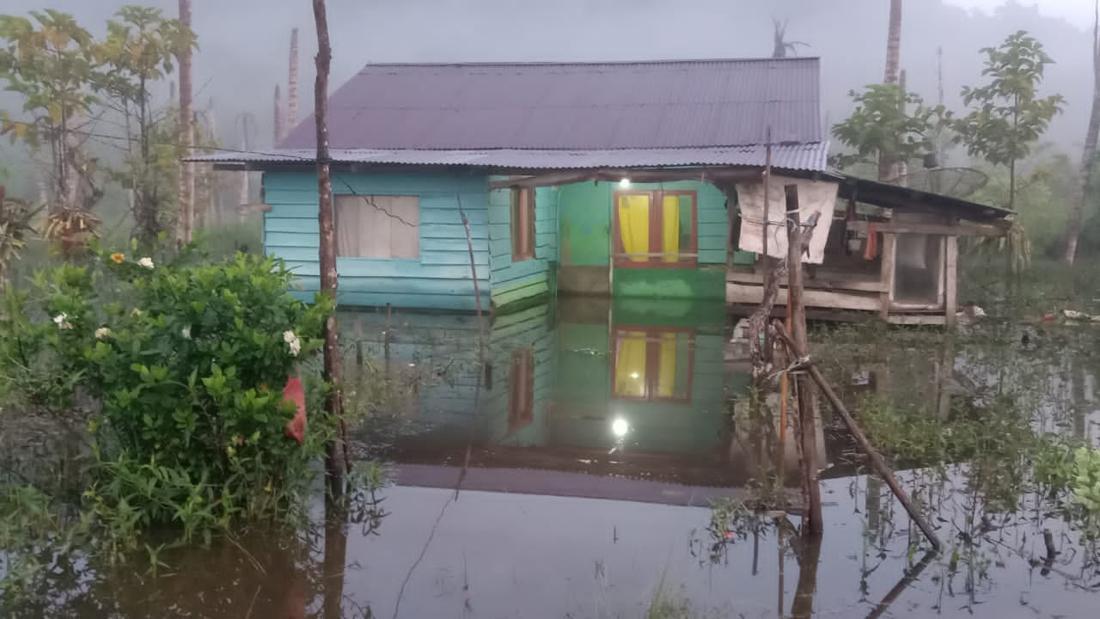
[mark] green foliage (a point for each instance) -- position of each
(50, 61)
(15, 228)
(140, 49)
(186, 363)
(1006, 115)
(882, 125)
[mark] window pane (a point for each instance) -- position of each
(633, 214)
(378, 227)
(347, 225)
(630, 364)
(404, 227)
(670, 232)
(687, 223)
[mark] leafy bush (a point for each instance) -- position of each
(183, 365)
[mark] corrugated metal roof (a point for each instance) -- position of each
(810, 157)
(573, 106)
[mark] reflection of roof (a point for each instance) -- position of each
(575, 115)
(569, 484)
(897, 197)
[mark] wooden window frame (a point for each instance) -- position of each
(521, 216)
(521, 397)
(652, 362)
(689, 257)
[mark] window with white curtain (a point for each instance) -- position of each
(378, 227)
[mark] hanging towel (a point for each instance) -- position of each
(870, 246)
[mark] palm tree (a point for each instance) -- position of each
(893, 43)
(1088, 157)
(187, 133)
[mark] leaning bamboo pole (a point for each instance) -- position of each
(800, 352)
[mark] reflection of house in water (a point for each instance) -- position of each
(571, 396)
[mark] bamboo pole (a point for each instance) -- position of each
(292, 84)
(807, 405)
(334, 466)
(876, 460)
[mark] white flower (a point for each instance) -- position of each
(186, 332)
(62, 321)
(102, 333)
(292, 342)
(146, 262)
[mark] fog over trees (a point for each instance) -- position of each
(244, 43)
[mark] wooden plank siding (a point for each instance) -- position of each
(439, 279)
(515, 281)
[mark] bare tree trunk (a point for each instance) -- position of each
(278, 115)
(334, 466)
(186, 136)
(1088, 157)
(887, 163)
(292, 85)
(893, 44)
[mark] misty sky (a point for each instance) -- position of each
(244, 43)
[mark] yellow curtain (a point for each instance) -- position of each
(634, 226)
(666, 370)
(630, 365)
(670, 233)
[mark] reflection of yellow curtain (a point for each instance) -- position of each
(634, 226)
(670, 233)
(666, 372)
(630, 365)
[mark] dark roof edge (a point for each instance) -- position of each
(866, 190)
(582, 63)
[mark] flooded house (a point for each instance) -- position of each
(519, 181)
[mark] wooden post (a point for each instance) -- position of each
(889, 256)
(807, 405)
(950, 280)
(800, 351)
(326, 219)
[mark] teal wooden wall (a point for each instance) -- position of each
(439, 279)
(512, 282)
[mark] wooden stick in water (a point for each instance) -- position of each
(877, 463)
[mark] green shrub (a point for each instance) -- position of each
(183, 365)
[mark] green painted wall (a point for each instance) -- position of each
(584, 210)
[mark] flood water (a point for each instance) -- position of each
(571, 470)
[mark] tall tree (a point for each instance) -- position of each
(278, 116)
(780, 45)
(889, 163)
(1006, 115)
(139, 50)
(50, 60)
(888, 124)
(186, 134)
(893, 44)
(1088, 157)
(292, 83)
(326, 221)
